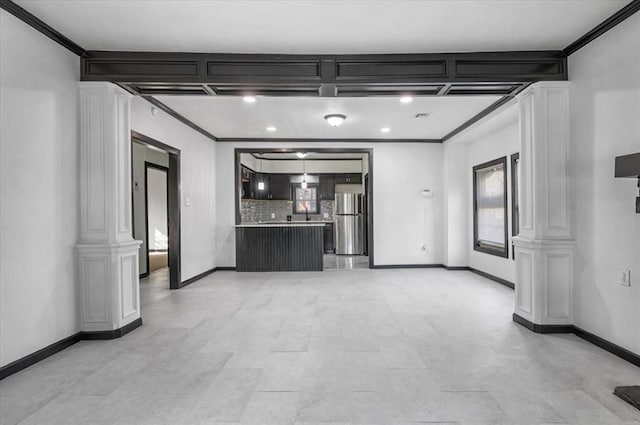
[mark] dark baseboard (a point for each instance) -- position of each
(623, 353)
(39, 355)
(143, 275)
(612, 348)
(407, 266)
(492, 277)
(458, 268)
(197, 277)
(67, 342)
(205, 274)
(113, 334)
(543, 329)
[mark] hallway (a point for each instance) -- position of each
(354, 347)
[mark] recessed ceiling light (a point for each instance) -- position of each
(385, 129)
(335, 120)
(249, 99)
(301, 154)
(406, 99)
(271, 128)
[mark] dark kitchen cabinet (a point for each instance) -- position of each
(351, 178)
(327, 187)
(280, 188)
(329, 246)
(248, 187)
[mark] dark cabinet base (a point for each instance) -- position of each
(279, 248)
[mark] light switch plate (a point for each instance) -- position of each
(625, 278)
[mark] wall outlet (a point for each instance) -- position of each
(273, 215)
(625, 278)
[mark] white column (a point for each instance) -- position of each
(108, 255)
(544, 248)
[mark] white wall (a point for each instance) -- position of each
(403, 220)
(141, 153)
(197, 184)
(457, 202)
(491, 139)
(38, 190)
(605, 123)
(296, 167)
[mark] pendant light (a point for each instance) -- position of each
(304, 175)
(260, 182)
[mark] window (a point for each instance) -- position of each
(515, 206)
(490, 207)
(305, 200)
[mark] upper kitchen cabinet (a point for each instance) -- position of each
(351, 178)
(327, 187)
(247, 179)
(280, 188)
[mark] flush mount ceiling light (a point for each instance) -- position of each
(335, 120)
(385, 130)
(249, 99)
(406, 99)
(301, 154)
(271, 129)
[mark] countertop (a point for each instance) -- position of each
(285, 224)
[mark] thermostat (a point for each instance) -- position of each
(426, 193)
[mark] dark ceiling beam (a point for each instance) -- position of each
(307, 74)
(39, 25)
(155, 102)
(320, 140)
(603, 27)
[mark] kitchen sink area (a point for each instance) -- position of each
(295, 208)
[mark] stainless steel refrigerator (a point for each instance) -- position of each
(349, 233)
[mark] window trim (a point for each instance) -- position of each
(515, 206)
(477, 245)
(295, 199)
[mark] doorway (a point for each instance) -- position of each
(276, 185)
(156, 211)
(157, 216)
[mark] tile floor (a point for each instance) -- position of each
(345, 262)
(154, 287)
(341, 347)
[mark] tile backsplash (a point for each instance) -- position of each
(254, 211)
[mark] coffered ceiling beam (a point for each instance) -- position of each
(318, 75)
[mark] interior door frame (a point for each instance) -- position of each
(173, 204)
(367, 151)
(164, 169)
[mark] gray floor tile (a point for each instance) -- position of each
(345, 347)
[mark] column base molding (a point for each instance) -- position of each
(110, 298)
(544, 276)
(114, 333)
(542, 329)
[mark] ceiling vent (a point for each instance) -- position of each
(422, 115)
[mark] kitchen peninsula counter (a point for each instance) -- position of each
(280, 246)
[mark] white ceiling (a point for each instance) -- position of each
(323, 26)
(302, 117)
